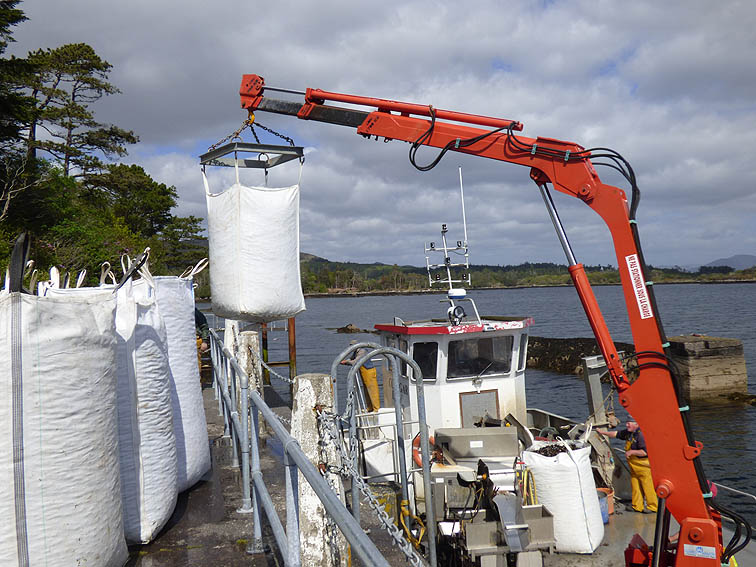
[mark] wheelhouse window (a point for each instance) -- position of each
(479, 357)
(403, 346)
(426, 356)
(522, 357)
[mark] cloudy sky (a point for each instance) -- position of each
(669, 85)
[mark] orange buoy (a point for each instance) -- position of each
(416, 455)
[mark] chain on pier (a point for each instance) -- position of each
(284, 419)
(276, 374)
(332, 435)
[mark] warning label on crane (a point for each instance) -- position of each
(639, 286)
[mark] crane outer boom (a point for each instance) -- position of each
(651, 399)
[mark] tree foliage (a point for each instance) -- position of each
(131, 194)
(14, 106)
(55, 179)
(64, 82)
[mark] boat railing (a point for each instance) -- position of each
(351, 412)
(242, 424)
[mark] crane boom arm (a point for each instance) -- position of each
(652, 398)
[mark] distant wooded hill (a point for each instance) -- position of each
(736, 262)
(320, 275)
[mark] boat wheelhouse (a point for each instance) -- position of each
(471, 370)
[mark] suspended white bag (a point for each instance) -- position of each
(60, 492)
(254, 252)
(146, 441)
(175, 298)
(566, 487)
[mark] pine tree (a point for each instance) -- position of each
(64, 82)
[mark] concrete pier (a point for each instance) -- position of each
(709, 367)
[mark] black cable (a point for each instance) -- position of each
(458, 143)
(621, 164)
(732, 547)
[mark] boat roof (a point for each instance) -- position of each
(442, 326)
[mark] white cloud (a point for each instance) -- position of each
(668, 85)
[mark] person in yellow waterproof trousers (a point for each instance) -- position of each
(640, 469)
(369, 375)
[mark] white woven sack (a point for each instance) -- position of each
(566, 487)
(175, 297)
(148, 447)
(146, 442)
(254, 252)
(60, 493)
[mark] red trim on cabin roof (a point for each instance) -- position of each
(455, 329)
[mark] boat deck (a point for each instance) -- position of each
(205, 528)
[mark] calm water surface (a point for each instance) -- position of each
(728, 310)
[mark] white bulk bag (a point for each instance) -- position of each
(254, 252)
(175, 298)
(60, 493)
(148, 448)
(146, 441)
(566, 487)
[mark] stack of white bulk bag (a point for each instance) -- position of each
(149, 465)
(254, 252)
(175, 298)
(146, 442)
(60, 490)
(566, 487)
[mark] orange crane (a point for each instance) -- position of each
(653, 398)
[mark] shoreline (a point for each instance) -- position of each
(442, 292)
(316, 295)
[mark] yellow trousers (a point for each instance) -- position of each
(370, 379)
(642, 484)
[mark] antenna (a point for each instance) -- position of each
(462, 195)
(444, 268)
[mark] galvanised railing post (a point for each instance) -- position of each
(214, 362)
(292, 510)
(246, 506)
(234, 433)
(224, 392)
(256, 545)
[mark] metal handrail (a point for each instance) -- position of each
(226, 372)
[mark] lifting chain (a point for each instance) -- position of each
(276, 374)
(235, 134)
(250, 123)
(282, 136)
(333, 436)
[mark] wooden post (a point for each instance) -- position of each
(292, 353)
(321, 544)
(264, 337)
